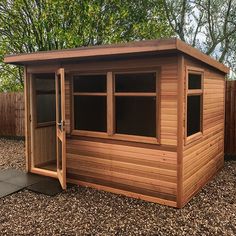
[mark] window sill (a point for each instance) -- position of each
(193, 138)
(123, 137)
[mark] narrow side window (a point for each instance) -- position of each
(194, 103)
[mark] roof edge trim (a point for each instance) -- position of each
(116, 49)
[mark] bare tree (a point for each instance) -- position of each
(209, 25)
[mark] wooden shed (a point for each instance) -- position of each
(143, 119)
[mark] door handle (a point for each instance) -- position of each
(61, 124)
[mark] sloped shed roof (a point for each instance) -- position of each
(148, 46)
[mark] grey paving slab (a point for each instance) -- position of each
(25, 179)
(12, 180)
(7, 188)
(10, 173)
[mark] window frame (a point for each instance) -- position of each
(110, 94)
(194, 92)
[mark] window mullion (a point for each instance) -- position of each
(110, 104)
(89, 94)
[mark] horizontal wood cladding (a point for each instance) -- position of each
(140, 170)
(203, 157)
(168, 83)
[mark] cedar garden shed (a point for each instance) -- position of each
(143, 119)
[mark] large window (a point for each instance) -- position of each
(45, 99)
(194, 102)
(116, 105)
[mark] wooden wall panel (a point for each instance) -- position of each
(204, 157)
(169, 103)
(44, 145)
(141, 170)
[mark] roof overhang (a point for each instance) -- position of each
(150, 46)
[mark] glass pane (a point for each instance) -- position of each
(45, 97)
(45, 82)
(90, 83)
(90, 113)
(135, 82)
(46, 108)
(59, 154)
(136, 116)
(193, 115)
(194, 81)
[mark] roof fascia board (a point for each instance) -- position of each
(137, 47)
(195, 53)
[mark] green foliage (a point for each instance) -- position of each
(10, 76)
(37, 25)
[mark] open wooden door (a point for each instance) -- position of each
(60, 127)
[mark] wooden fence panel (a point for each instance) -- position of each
(12, 114)
(230, 118)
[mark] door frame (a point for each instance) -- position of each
(27, 107)
(30, 125)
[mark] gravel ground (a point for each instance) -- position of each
(85, 211)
